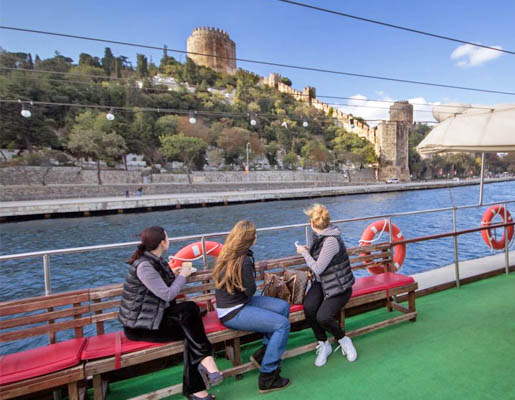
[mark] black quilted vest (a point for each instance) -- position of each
(337, 277)
(139, 307)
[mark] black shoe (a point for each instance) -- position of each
(257, 357)
(269, 382)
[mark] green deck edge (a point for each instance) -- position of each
(461, 347)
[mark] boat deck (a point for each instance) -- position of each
(462, 346)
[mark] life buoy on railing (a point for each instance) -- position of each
(399, 251)
(486, 220)
(193, 252)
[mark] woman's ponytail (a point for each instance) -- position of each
(150, 239)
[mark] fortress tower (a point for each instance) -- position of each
(392, 142)
(215, 42)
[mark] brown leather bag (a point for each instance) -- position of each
(297, 284)
(277, 286)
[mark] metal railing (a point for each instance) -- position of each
(46, 254)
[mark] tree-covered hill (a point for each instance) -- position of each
(225, 104)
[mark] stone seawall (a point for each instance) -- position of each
(49, 192)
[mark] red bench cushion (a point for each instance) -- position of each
(105, 345)
(374, 283)
(43, 360)
(296, 307)
(212, 323)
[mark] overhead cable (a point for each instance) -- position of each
(176, 111)
(106, 78)
(341, 14)
(274, 64)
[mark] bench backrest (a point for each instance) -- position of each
(47, 315)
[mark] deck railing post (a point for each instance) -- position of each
(204, 255)
(456, 258)
(46, 273)
(506, 252)
(391, 266)
(307, 236)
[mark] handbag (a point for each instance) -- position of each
(277, 286)
(297, 282)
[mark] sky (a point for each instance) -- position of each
(270, 30)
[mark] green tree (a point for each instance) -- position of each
(108, 61)
(92, 136)
(291, 161)
(186, 149)
(167, 125)
(142, 66)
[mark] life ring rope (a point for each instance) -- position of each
(379, 237)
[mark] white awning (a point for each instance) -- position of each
(475, 130)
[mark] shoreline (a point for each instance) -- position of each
(11, 211)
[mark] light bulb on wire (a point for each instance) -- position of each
(25, 112)
(305, 124)
(110, 116)
(253, 120)
(192, 118)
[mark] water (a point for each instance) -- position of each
(24, 278)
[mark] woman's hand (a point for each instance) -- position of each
(185, 269)
(300, 248)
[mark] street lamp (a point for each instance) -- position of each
(247, 148)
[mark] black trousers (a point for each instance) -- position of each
(322, 313)
(181, 321)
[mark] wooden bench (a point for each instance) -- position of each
(107, 352)
(366, 291)
(56, 364)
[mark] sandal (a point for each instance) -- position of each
(210, 378)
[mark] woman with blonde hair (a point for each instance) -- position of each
(332, 288)
(239, 309)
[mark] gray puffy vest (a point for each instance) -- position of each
(139, 307)
(338, 276)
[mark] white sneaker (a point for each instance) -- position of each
(324, 350)
(347, 348)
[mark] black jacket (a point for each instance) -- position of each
(248, 277)
(139, 307)
(338, 276)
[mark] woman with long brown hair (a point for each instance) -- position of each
(239, 309)
(149, 312)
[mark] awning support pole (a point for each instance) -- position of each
(482, 179)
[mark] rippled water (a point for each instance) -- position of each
(24, 278)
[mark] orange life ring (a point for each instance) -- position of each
(399, 251)
(487, 218)
(193, 252)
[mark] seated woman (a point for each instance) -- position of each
(149, 312)
(332, 288)
(239, 309)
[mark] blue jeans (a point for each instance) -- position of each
(267, 315)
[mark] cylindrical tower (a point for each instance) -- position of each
(401, 111)
(220, 50)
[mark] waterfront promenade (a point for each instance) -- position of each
(12, 210)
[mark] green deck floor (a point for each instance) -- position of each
(461, 347)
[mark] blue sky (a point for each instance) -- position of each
(274, 31)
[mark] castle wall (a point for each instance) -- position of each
(212, 41)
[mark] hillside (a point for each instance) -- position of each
(287, 133)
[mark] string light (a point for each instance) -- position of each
(180, 112)
(25, 112)
(192, 118)
(305, 124)
(253, 120)
(110, 116)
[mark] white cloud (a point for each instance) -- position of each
(378, 109)
(468, 55)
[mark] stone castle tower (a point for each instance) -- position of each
(216, 42)
(392, 142)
